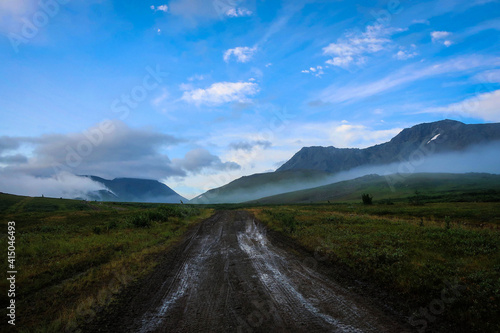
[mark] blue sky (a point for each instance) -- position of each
(197, 93)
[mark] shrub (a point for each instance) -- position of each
(140, 221)
(112, 225)
(447, 221)
(367, 199)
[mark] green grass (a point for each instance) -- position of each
(432, 187)
(74, 256)
(408, 251)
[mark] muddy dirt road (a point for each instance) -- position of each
(228, 277)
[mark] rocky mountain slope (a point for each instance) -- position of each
(430, 138)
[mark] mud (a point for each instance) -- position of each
(227, 276)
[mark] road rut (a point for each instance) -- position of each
(228, 277)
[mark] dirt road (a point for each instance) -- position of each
(228, 277)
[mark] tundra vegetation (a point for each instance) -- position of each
(75, 256)
(412, 252)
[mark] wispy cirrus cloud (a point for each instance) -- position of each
(250, 145)
(483, 106)
(406, 75)
(222, 92)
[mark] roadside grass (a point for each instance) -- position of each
(415, 261)
(74, 256)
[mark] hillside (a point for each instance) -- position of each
(436, 137)
(430, 186)
(260, 185)
(135, 190)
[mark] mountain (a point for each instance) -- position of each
(437, 137)
(431, 186)
(135, 190)
(262, 184)
(316, 166)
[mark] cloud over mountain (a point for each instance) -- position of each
(110, 149)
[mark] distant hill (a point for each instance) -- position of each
(455, 187)
(436, 137)
(135, 190)
(262, 184)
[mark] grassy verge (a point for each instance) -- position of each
(445, 270)
(74, 256)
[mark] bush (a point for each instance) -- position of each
(140, 221)
(367, 199)
(112, 225)
(447, 221)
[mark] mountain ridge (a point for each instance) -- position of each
(134, 190)
(435, 137)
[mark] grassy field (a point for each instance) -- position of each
(415, 252)
(73, 256)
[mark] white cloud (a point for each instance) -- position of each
(161, 8)
(441, 37)
(316, 71)
(238, 12)
(242, 54)
(222, 92)
(490, 76)
(484, 106)
(199, 159)
(405, 55)
(343, 134)
(437, 35)
(207, 10)
(353, 47)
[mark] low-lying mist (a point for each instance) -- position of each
(64, 185)
(477, 158)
